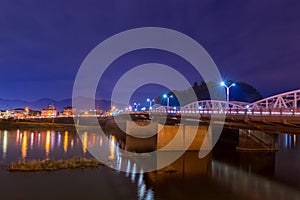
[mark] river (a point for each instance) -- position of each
(223, 174)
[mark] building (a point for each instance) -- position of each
(68, 111)
(50, 111)
(18, 113)
(34, 113)
(5, 114)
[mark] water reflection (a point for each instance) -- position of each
(31, 140)
(47, 144)
(112, 147)
(288, 141)
(225, 166)
(90, 140)
(142, 191)
(52, 139)
(39, 140)
(84, 142)
(58, 138)
(242, 182)
(17, 136)
(4, 145)
(24, 145)
(66, 141)
(27, 144)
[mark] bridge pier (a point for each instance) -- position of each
(181, 136)
(254, 140)
(141, 136)
(145, 137)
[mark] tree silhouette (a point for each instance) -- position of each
(241, 92)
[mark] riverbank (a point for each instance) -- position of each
(66, 123)
(36, 125)
(52, 165)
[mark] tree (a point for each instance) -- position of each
(241, 92)
(244, 92)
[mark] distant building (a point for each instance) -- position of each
(99, 112)
(4, 114)
(20, 113)
(17, 113)
(34, 113)
(50, 111)
(68, 111)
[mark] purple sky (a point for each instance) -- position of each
(43, 43)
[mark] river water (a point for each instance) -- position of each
(223, 174)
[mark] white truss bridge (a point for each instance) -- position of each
(287, 103)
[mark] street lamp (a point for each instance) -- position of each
(27, 111)
(150, 103)
(168, 99)
(136, 106)
(227, 91)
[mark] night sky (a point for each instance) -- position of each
(43, 43)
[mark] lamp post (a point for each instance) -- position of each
(150, 103)
(27, 112)
(136, 106)
(227, 92)
(168, 99)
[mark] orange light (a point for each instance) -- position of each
(66, 141)
(24, 145)
(112, 148)
(47, 145)
(84, 142)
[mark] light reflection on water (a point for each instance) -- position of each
(287, 141)
(92, 139)
(26, 145)
(84, 142)
(261, 188)
(47, 144)
(4, 146)
(66, 141)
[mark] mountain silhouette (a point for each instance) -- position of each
(8, 104)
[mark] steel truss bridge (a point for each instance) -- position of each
(287, 103)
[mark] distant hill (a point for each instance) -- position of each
(42, 103)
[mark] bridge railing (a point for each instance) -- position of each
(274, 112)
(285, 104)
(256, 112)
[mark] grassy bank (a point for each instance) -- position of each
(8, 124)
(107, 123)
(52, 165)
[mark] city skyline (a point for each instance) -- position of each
(44, 44)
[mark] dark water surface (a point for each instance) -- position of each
(224, 174)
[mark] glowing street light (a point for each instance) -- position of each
(227, 92)
(136, 106)
(27, 111)
(150, 103)
(165, 96)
